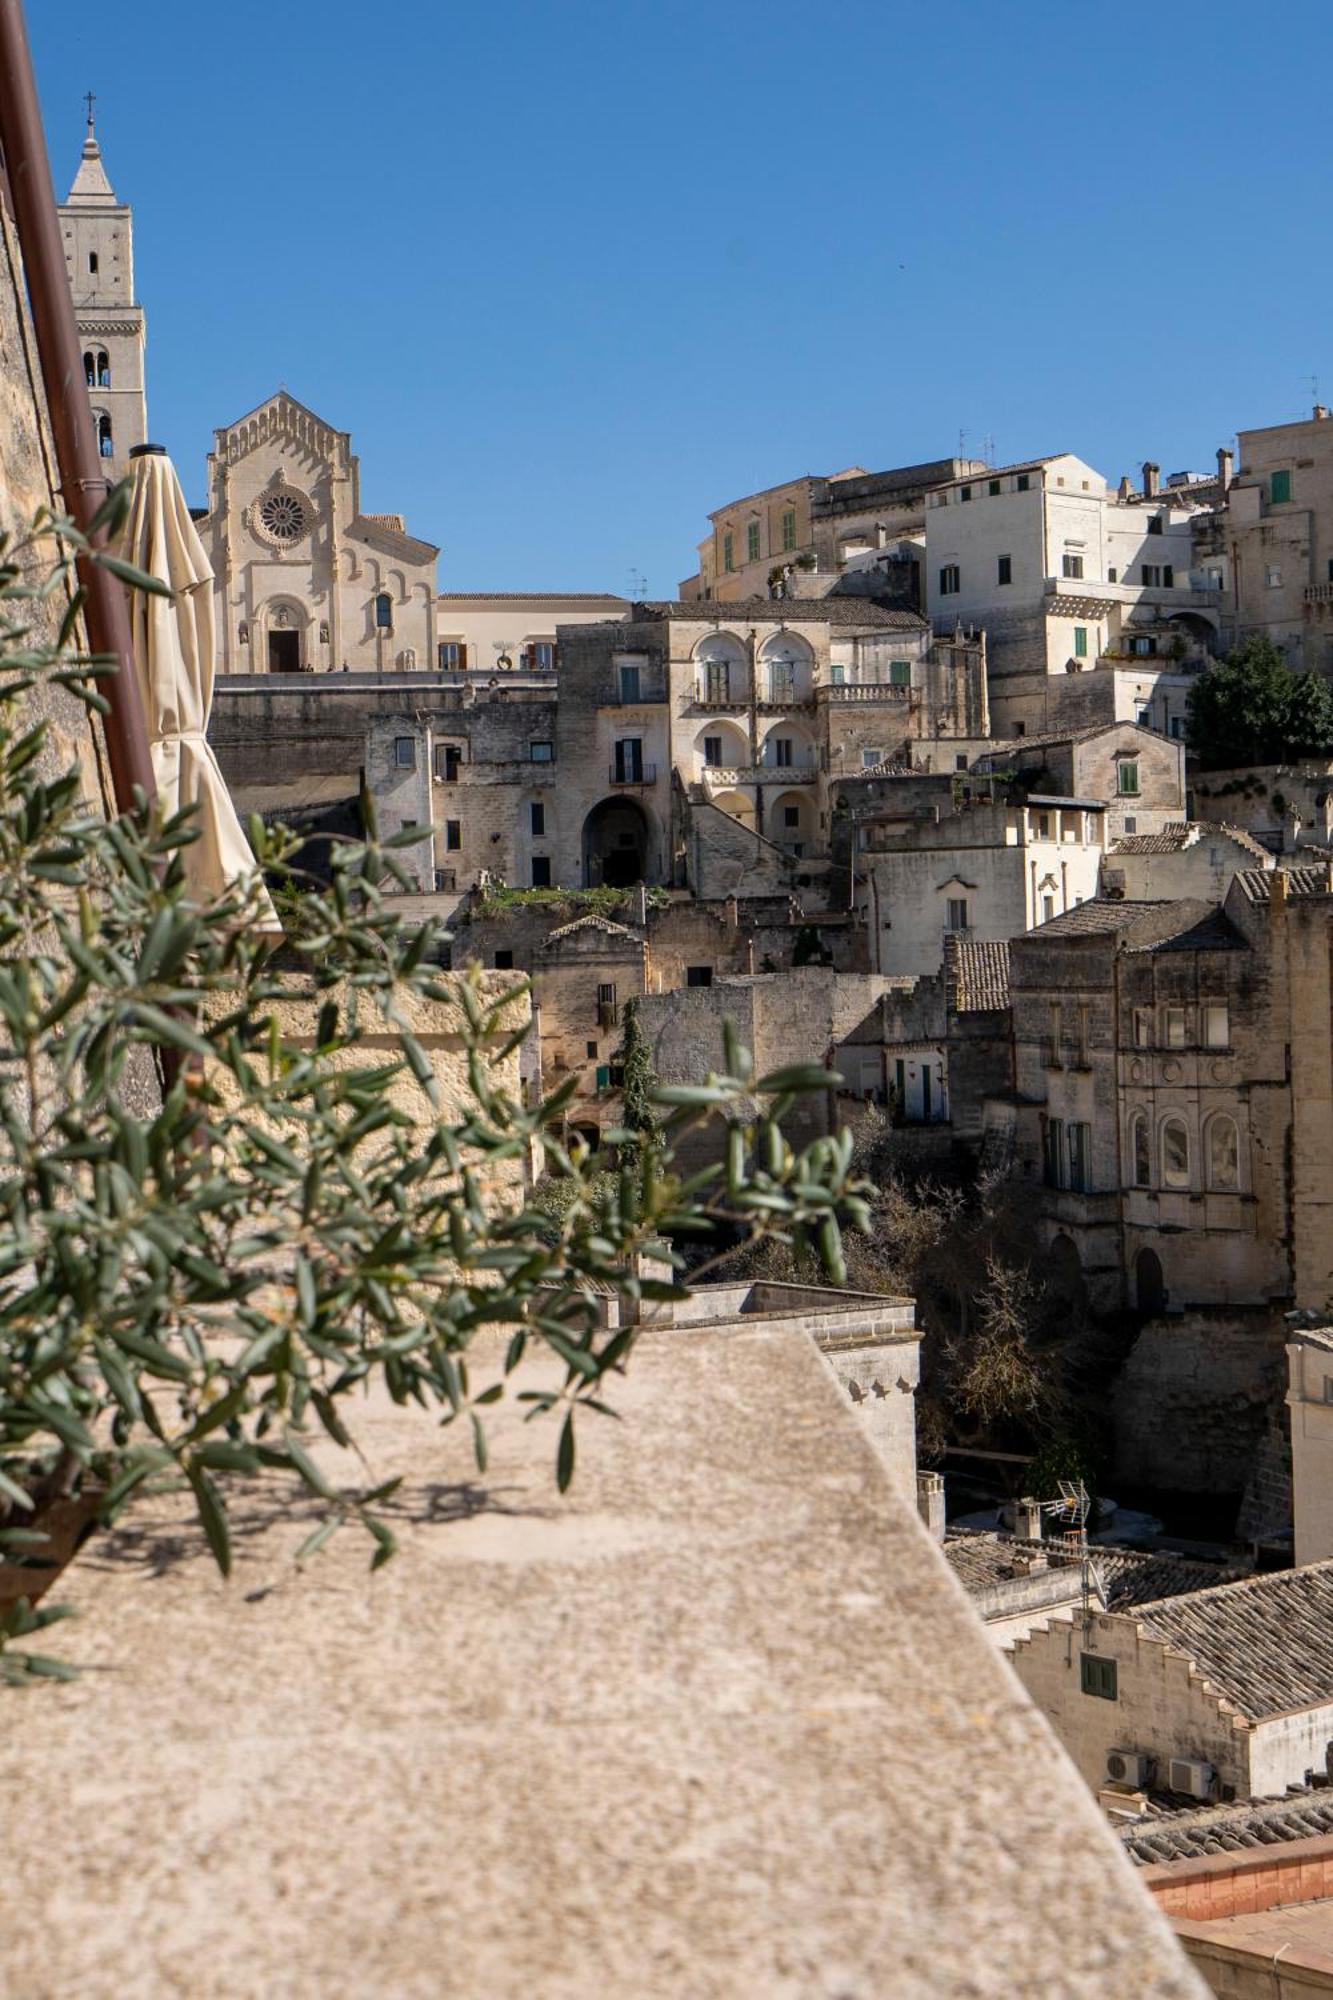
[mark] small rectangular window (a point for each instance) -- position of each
(1155, 524)
(958, 913)
(728, 556)
(1152, 576)
(698, 975)
(453, 835)
(752, 542)
(713, 752)
(870, 757)
(1005, 569)
(1071, 564)
(448, 758)
(537, 817)
(1097, 1676)
(1111, 575)
(791, 815)
(780, 752)
(1047, 908)
(960, 760)
(1274, 577)
(1127, 777)
(591, 1049)
(452, 655)
(405, 752)
(629, 683)
(950, 580)
(1279, 488)
(789, 529)
(1216, 1025)
(92, 262)
(1143, 1027)
(541, 753)
(504, 961)
(1080, 1158)
(993, 487)
(1053, 1162)
(541, 656)
(1080, 642)
(900, 673)
(1022, 483)
(541, 871)
(965, 493)
(1177, 1028)
(1168, 576)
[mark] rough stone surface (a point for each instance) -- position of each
(718, 1724)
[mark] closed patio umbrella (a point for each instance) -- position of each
(173, 640)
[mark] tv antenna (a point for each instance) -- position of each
(1074, 1506)
(637, 584)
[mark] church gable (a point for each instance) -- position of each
(283, 418)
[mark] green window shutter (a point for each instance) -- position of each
(752, 542)
(1279, 488)
(1080, 642)
(900, 673)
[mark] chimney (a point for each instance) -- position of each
(930, 1502)
(1125, 489)
(1150, 476)
(1277, 891)
(1027, 1520)
(1224, 464)
(1321, 413)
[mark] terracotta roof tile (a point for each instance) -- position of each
(976, 975)
(1266, 1643)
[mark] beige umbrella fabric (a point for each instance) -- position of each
(174, 652)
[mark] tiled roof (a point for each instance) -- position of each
(1139, 1576)
(394, 521)
(1179, 834)
(785, 611)
(1266, 1644)
(1257, 883)
(388, 530)
(1212, 932)
(1095, 919)
(1128, 1577)
(976, 975)
(1188, 1835)
(998, 471)
(1004, 744)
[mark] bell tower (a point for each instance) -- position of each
(97, 232)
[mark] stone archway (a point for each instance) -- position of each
(616, 845)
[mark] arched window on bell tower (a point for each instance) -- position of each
(90, 370)
(104, 442)
(103, 369)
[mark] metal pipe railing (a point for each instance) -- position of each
(83, 479)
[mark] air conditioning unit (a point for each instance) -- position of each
(1129, 1767)
(1191, 1776)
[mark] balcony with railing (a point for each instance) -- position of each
(722, 777)
(1184, 594)
(865, 694)
(1319, 593)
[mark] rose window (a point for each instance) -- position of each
(283, 516)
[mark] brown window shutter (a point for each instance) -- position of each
(462, 656)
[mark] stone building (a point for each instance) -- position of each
(305, 581)
(1174, 1069)
(806, 533)
(1139, 777)
(753, 712)
(1067, 577)
(1286, 807)
(1310, 1402)
(985, 872)
(497, 631)
(1215, 1694)
(1188, 858)
(1272, 545)
(97, 231)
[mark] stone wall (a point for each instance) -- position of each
(1192, 1401)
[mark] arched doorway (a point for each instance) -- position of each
(615, 845)
(1064, 1272)
(1149, 1284)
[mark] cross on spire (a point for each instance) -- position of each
(90, 99)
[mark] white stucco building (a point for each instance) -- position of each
(1067, 577)
(986, 873)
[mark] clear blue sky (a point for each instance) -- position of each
(573, 274)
